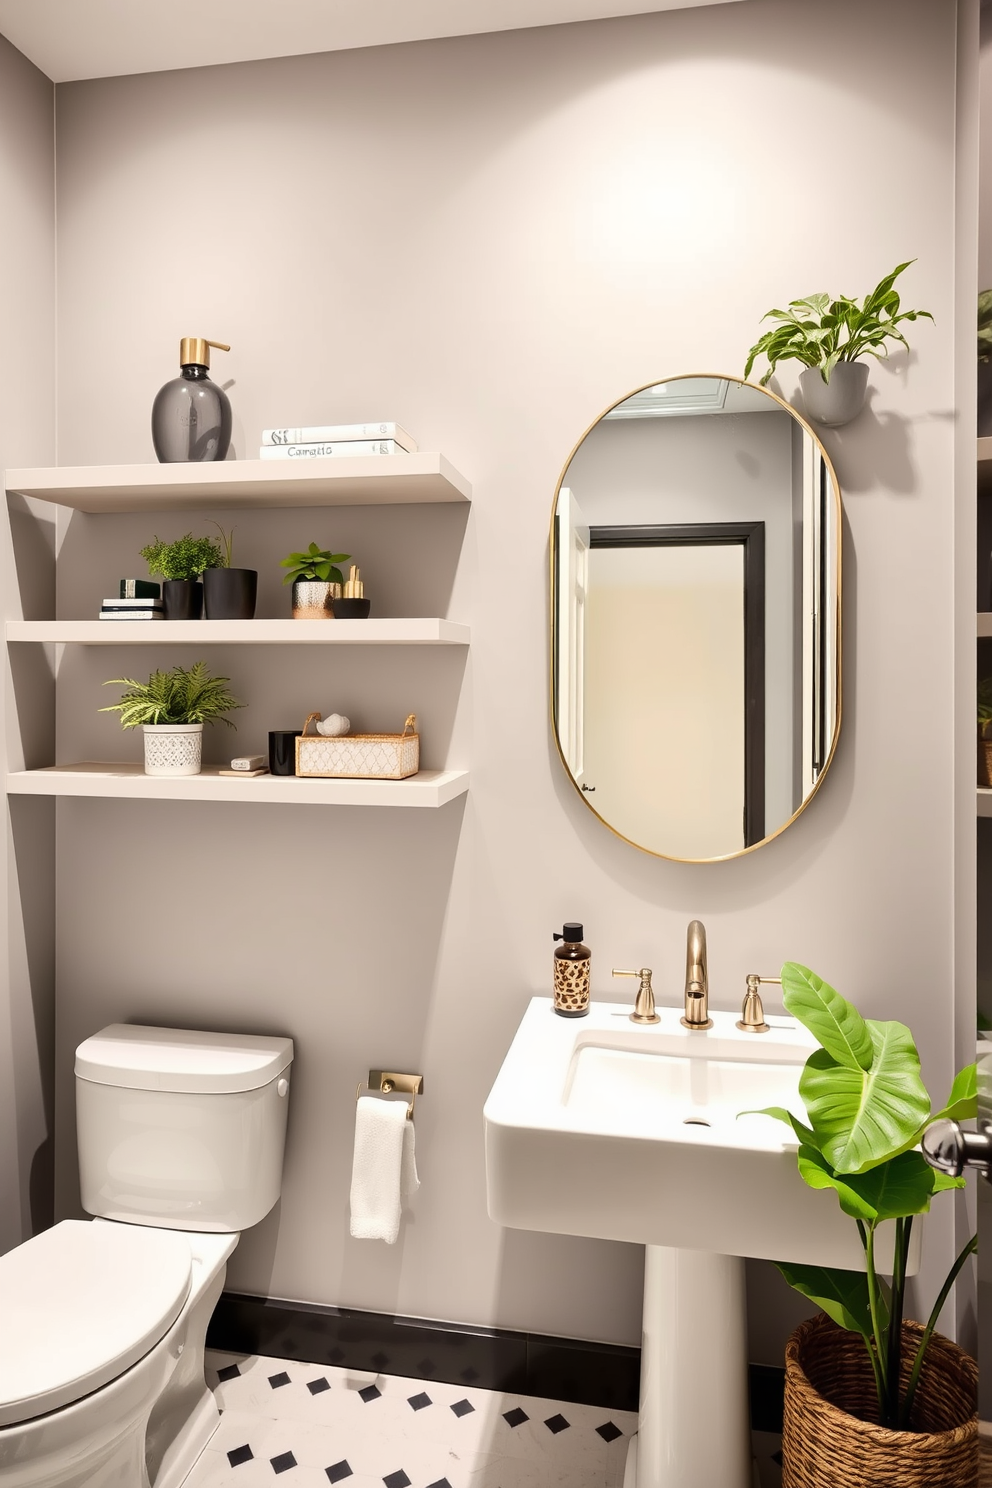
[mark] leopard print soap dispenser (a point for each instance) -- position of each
(573, 961)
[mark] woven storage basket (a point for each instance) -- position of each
(359, 756)
(830, 1439)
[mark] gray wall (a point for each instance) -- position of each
(492, 239)
(27, 437)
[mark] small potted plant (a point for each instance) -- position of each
(171, 709)
(229, 593)
(985, 363)
(182, 564)
(830, 337)
(869, 1397)
(984, 742)
(317, 582)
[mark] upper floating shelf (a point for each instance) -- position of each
(372, 632)
(374, 480)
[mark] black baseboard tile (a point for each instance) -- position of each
(567, 1369)
(489, 1358)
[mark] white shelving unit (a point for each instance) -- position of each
(371, 632)
(243, 484)
(376, 480)
(429, 788)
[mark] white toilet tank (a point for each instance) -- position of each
(179, 1129)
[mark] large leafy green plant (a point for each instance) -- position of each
(866, 1108)
(186, 558)
(184, 695)
(315, 563)
(820, 332)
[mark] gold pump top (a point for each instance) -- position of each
(354, 587)
(195, 351)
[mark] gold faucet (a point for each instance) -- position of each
(752, 1018)
(644, 1002)
(697, 989)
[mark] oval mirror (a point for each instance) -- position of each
(696, 617)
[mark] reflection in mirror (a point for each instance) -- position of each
(696, 614)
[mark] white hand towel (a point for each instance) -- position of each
(384, 1172)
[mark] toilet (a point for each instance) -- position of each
(180, 1138)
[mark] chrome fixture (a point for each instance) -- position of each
(950, 1149)
(752, 1018)
(697, 988)
(644, 1002)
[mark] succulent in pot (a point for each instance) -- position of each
(830, 336)
(182, 564)
(317, 582)
(229, 593)
(171, 709)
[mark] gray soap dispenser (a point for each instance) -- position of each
(191, 416)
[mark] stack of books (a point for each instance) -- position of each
(321, 440)
(139, 599)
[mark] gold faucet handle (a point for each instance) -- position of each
(752, 1018)
(644, 1010)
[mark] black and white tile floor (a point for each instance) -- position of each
(293, 1425)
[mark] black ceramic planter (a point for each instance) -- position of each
(229, 593)
(182, 599)
(351, 609)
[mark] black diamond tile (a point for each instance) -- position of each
(463, 1407)
(338, 1471)
(370, 1393)
(230, 1371)
(608, 1431)
(380, 1360)
(240, 1454)
(278, 1380)
(397, 1480)
(283, 1462)
(556, 1424)
(418, 1402)
(515, 1417)
(441, 1483)
(317, 1386)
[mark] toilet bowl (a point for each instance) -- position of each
(104, 1320)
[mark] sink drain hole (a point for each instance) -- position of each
(695, 1121)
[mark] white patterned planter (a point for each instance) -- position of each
(173, 748)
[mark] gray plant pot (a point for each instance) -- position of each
(841, 399)
(313, 599)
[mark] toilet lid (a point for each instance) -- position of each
(81, 1303)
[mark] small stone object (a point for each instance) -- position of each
(334, 726)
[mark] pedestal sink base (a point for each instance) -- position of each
(693, 1430)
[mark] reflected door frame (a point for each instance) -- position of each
(751, 537)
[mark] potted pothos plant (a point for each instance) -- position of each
(171, 709)
(871, 1398)
(830, 337)
(229, 593)
(182, 564)
(984, 742)
(317, 582)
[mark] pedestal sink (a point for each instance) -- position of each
(599, 1127)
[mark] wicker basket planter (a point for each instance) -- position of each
(830, 1439)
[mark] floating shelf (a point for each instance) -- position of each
(984, 801)
(430, 788)
(984, 623)
(372, 632)
(380, 480)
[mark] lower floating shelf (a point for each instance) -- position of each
(430, 788)
(984, 801)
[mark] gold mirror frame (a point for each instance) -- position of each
(839, 517)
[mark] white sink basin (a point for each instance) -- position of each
(605, 1128)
